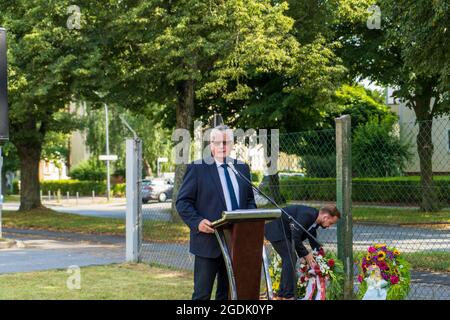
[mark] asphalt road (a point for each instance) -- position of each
(45, 251)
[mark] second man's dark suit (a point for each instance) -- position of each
(278, 232)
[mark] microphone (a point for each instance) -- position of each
(291, 219)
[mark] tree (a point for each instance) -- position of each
(177, 53)
(145, 124)
(361, 104)
(48, 64)
(291, 99)
(410, 52)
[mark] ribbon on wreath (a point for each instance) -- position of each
(317, 284)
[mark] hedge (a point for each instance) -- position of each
(84, 188)
(401, 190)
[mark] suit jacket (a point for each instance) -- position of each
(306, 216)
(201, 197)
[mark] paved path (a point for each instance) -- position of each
(52, 250)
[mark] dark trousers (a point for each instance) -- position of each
(205, 272)
(287, 282)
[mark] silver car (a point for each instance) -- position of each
(156, 189)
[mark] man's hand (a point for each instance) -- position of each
(310, 260)
(205, 226)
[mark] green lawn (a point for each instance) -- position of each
(399, 216)
(435, 261)
(46, 219)
(121, 281)
(12, 198)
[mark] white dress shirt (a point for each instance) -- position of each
(223, 181)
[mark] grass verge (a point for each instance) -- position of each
(46, 219)
(121, 281)
(432, 260)
(399, 216)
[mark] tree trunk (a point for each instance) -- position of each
(274, 189)
(147, 168)
(425, 147)
(29, 176)
(184, 113)
(273, 179)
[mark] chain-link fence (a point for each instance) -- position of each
(400, 196)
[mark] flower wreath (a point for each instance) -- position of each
(325, 281)
(394, 269)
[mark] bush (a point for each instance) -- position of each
(119, 189)
(317, 152)
(377, 151)
(398, 190)
(16, 189)
(257, 176)
(319, 166)
(89, 170)
(84, 188)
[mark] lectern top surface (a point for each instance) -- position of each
(246, 215)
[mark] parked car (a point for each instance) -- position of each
(156, 189)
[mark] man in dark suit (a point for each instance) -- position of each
(278, 232)
(210, 187)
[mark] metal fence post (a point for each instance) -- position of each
(132, 195)
(140, 221)
(344, 200)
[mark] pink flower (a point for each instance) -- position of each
(383, 265)
(360, 279)
(372, 249)
(394, 279)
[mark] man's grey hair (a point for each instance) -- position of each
(221, 128)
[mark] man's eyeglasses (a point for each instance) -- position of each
(219, 143)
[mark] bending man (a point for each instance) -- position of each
(278, 232)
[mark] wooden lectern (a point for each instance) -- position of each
(241, 237)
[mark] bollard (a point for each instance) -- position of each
(68, 196)
(49, 195)
(77, 197)
(40, 195)
(59, 196)
(93, 196)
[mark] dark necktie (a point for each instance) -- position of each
(234, 203)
